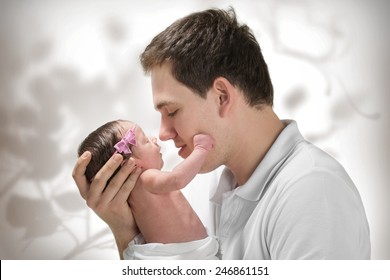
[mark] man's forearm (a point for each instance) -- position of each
(122, 240)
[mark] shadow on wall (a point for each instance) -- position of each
(47, 108)
(44, 115)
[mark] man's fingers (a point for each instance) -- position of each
(116, 183)
(78, 173)
(101, 178)
(129, 185)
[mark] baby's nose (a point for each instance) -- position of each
(154, 141)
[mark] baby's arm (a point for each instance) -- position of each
(157, 181)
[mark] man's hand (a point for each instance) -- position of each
(109, 202)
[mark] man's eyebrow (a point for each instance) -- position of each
(163, 104)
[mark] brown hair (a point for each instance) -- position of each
(101, 145)
(209, 44)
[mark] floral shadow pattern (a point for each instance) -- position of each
(47, 105)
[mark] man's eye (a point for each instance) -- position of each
(172, 114)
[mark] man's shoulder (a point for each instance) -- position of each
(307, 166)
(307, 158)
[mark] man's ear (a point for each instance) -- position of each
(224, 91)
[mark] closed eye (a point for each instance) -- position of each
(172, 114)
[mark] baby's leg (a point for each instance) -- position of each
(165, 218)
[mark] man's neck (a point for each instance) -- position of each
(253, 138)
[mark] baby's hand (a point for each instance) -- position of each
(203, 141)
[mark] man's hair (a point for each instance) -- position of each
(209, 44)
(101, 145)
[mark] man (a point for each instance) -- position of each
(279, 196)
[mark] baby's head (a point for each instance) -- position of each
(101, 144)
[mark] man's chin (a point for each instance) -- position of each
(184, 153)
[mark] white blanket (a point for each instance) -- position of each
(204, 249)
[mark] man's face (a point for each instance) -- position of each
(183, 113)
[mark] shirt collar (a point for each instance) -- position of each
(274, 158)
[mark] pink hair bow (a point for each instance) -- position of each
(123, 145)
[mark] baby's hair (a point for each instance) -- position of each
(101, 145)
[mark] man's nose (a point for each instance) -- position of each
(167, 132)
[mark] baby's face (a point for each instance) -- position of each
(146, 152)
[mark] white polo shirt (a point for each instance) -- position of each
(298, 204)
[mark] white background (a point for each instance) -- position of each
(66, 67)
